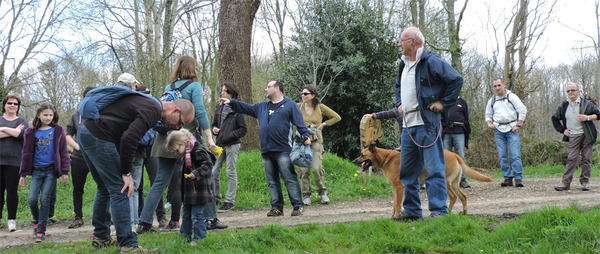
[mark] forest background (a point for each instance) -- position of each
(51, 50)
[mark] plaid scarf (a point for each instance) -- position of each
(188, 150)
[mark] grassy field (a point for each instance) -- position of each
(552, 230)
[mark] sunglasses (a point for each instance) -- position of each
(572, 91)
(12, 103)
(305, 94)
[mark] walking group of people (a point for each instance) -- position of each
(116, 146)
(124, 139)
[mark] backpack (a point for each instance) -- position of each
(99, 98)
(175, 93)
(506, 98)
(148, 138)
(171, 95)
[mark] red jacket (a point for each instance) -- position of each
(62, 164)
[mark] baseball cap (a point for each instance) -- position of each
(127, 79)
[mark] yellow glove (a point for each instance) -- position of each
(186, 175)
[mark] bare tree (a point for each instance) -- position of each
(236, 19)
(528, 25)
(455, 46)
(28, 29)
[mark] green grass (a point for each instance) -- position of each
(551, 230)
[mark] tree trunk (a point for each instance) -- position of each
(453, 34)
(235, 30)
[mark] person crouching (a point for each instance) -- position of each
(197, 185)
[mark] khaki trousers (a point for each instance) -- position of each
(317, 169)
(578, 145)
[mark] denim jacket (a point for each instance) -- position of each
(435, 80)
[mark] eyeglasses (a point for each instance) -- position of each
(12, 103)
(180, 123)
(402, 40)
(572, 91)
(305, 94)
(176, 151)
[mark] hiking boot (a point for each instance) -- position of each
(435, 216)
(163, 222)
(507, 182)
(12, 225)
(100, 243)
(297, 211)
(324, 199)
(519, 183)
(464, 184)
(40, 237)
(142, 228)
(53, 220)
(306, 201)
(562, 188)
(172, 225)
(274, 212)
(77, 222)
(584, 187)
(225, 207)
(215, 224)
(403, 216)
(137, 249)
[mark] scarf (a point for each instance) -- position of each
(188, 150)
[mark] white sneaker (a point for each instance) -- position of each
(324, 199)
(306, 201)
(12, 225)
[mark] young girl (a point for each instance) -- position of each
(197, 184)
(45, 158)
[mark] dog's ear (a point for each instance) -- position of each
(372, 146)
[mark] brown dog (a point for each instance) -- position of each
(389, 162)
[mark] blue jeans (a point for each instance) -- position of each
(43, 181)
(166, 169)
(278, 164)
(104, 163)
(413, 160)
(506, 142)
(458, 142)
(210, 208)
(137, 170)
(193, 219)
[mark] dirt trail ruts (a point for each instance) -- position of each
(484, 199)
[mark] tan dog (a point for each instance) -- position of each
(389, 162)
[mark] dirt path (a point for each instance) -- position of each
(484, 199)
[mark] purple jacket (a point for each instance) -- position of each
(62, 164)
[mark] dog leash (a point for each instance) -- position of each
(387, 158)
(411, 137)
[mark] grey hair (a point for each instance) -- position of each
(416, 34)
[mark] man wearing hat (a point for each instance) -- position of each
(129, 80)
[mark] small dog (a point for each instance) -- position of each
(389, 162)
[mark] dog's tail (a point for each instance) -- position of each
(471, 173)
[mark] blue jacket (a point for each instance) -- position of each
(276, 135)
(436, 80)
